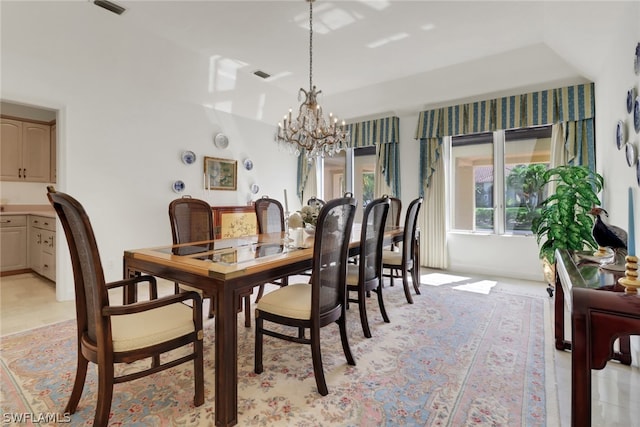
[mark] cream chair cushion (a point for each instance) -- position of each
(391, 258)
(292, 301)
(353, 272)
(138, 330)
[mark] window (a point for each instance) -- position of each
(495, 179)
(336, 173)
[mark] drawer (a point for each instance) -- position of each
(43, 222)
(13, 221)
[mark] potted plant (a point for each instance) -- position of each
(564, 221)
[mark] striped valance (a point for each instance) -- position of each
(532, 109)
(372, 132)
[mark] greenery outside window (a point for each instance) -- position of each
(495, 179)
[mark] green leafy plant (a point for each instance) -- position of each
(564, 221)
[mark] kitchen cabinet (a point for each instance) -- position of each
(54, 146)
(42, 246)
(25, 151)
(13, 242)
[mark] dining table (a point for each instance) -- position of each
(233, 267)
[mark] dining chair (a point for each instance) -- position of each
(367, 275)
(110, 334)
(406, 259)
(270, 217)
(324, 302)
(192, 222)
(314, 201)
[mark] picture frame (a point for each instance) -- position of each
(220, 174)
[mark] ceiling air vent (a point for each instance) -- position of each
(262, 74)
(111, 7)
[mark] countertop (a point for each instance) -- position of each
(41, 210)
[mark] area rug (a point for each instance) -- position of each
(452, 358)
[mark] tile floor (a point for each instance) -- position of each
(28, 301)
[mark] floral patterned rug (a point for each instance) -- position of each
(452, 358)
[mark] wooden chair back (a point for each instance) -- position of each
(191, 221)
(395, 210)
(313, 201)
(410, 224)
(269, 214)
(371, 238)
(331, 245)
(89, 282)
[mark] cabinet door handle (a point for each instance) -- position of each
(46, 266)
(5, 221)
(19, 172)
(39, 238)
(24, 173)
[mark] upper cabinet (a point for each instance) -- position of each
(25, 151)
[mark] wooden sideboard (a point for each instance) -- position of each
(234, 221)
(598, 318)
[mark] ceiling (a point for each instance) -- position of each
(412, 53)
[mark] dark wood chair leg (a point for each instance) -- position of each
(383, 310)
(257, 362)
(247, 311)
(362, 306)
(105, 394)
(260, 293)
(342, 324)
(78, 385)
(316, 356)
(405, 284)
(212, 306)
(198, 373)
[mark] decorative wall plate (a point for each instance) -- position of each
(631, 94)
(620, 134)
(178, 186)
(636, 64)
(221, 140)
(188, 157)
(636, 114)
(255, 188)
(631, 153)
(248, 164)
(638, 173)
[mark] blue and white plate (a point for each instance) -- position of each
(178, 186)
(255, 188)
(620, 134)
(188, 157)
(248, 164)
(636, 64)
(636, 114)
(631, 153)
(630, 95)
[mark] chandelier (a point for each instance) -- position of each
(310, 131)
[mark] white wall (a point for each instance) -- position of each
(128, 106)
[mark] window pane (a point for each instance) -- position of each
(472, 182)
(334, 176)
(527, 155)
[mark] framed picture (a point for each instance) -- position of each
(220, 174)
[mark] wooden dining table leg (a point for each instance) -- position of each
(226, 350)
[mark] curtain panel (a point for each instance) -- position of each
(384, 134)
(572, 105)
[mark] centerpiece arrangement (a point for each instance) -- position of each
(309, 215)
